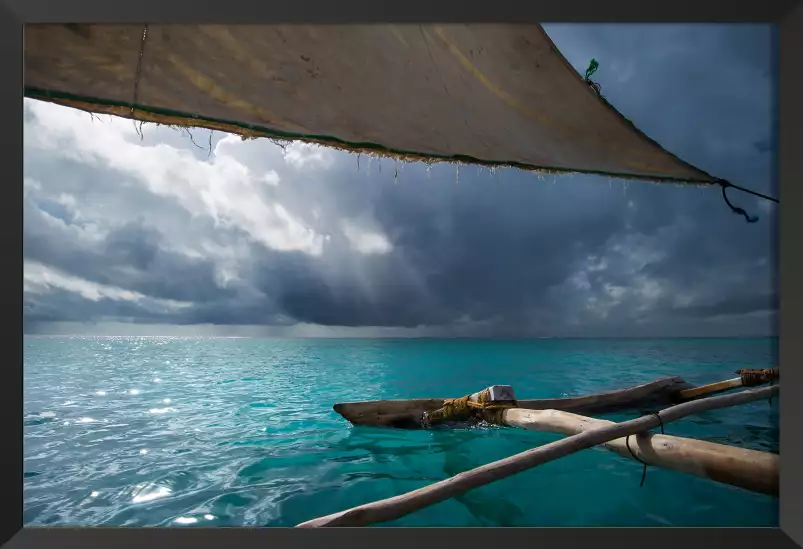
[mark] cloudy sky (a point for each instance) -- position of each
(124, 235)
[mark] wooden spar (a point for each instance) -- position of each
(749, 469)
(408, 413)
(711, 389)
(748, 377)
(399, 506)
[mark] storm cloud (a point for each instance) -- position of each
(129, 230)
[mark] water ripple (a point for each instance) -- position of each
(135, 431)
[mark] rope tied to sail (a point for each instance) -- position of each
(592, 68)
(740, 211)
(735, 209)
(138, 73)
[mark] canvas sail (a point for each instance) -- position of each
(484, 94)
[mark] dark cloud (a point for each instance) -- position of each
(128, 257)
(468, 253)
(62, 305)
(733, 305)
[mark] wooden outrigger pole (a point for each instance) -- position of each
(599, 434)
(748, 469)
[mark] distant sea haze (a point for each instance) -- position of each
(232, 431)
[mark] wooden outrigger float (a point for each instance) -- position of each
(408, 413)
(507, 82)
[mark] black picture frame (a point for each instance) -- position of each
(787, 14)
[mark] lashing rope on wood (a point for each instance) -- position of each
(465, 409)
(752, 377)
(629, 449)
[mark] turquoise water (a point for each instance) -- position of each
(135, 431)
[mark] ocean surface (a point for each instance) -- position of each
(148, 431)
